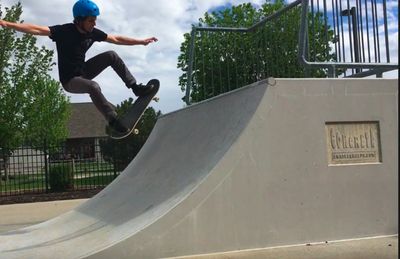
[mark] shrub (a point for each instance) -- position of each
(61, 177)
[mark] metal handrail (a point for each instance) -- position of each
(226, 29)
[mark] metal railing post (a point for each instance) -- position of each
(303, 32)
(46, 166)
(190, 65)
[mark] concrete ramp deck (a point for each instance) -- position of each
(244, 170)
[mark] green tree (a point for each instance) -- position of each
(32, 104)
(121, 152)
(228, 60)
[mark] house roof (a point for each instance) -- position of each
(86, 122)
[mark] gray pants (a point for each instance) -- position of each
(93, 67)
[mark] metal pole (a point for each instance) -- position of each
(46, 166)
(386, 32)
(190, 65)
(353, 13)
(303, 31)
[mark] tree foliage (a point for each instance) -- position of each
(32, 104)
(121, 152)
(228, 60)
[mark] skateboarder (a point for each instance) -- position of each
(72, 41)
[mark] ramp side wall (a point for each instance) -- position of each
(275, 185)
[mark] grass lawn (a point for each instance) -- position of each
(37, 182)
(87, 174)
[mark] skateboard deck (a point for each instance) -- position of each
(134, 113)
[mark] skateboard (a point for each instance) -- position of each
(134, 113)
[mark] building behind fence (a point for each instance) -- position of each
(87, 159)
(28, 170)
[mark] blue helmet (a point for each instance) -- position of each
(84, 8)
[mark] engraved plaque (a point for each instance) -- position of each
(353, 142)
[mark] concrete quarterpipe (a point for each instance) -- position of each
(292, 162)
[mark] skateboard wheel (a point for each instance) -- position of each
(135, 131)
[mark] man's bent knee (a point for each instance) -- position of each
(94, 88)
(112, 55)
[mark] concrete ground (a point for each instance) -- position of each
(22, 215)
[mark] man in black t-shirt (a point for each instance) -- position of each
(73, 41)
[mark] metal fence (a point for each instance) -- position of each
(361, 32)
(27, 170)
(306, 38)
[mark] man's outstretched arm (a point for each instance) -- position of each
(122, 40)
(26, 28)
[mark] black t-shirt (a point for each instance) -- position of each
(72, 47)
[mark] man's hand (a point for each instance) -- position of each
(123, 40)
(3, 23)
(149, 40)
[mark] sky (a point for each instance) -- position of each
(166, 20)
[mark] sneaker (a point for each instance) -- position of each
(116, 125)
(141, 89)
